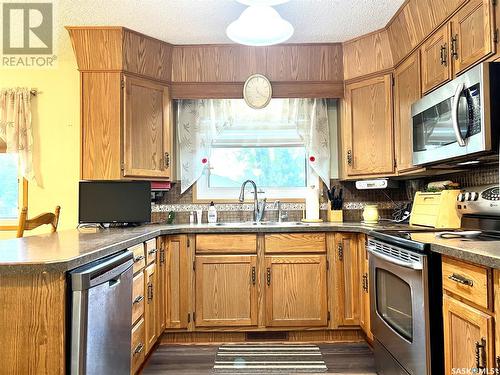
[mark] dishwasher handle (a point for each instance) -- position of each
(398, 262)
(101, 271)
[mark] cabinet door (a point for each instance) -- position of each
(496, 275)
(226, 290)
(345, 263)
(161, 288)
(472, 34)
(468, 336)
(368, 132)
(150, 307)
(406, 92)
(296, 292)
(147, 129)
(178, 273)
(364, 316)
(435, 55)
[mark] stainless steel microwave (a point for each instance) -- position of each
(458, 120)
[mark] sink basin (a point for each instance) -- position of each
(262, 223)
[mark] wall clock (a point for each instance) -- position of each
(257, 91)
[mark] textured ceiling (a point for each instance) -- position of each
(205, 21)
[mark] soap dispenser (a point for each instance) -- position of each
(212, 213)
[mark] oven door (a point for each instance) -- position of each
(399, 305)
(450, 122)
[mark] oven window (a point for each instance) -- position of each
(394, 303)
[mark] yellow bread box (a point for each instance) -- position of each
(436, 209)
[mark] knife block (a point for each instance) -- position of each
(335, 216)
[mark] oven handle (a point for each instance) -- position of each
(411, 265)
(454, 115)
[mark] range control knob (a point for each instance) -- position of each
(467, 196)
(461, 197)
(474, 196)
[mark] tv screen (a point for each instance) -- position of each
(115, 202)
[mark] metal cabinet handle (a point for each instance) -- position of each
(365, 282)
(443, 55)
(162, 255)
(349, 157)
(139, 348)
(152, 251)
(480, 354)
(268, 277)
(340, 251)
(166, 159)
(138, 299)
(461, 279)
(138, 258)
(150, 292)
(454, 47)
(253, 276)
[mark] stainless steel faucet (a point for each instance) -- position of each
(258, 207)
(281, 215)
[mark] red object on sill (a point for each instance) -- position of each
(160, 186)
(312, 158)
(204, 160)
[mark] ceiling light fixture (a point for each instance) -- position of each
(259, 25)
(263, 2)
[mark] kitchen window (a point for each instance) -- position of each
(261, 145)
(12, 189)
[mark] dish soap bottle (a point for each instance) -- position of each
(212, 213)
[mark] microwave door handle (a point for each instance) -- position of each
(398, 262)
(454, 115)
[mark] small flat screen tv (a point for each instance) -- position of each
(114, 202)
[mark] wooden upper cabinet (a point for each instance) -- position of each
(147, 138)
(406, 92)
(226, 290)
(472, 34)
(346, 275)
(368, 128)
(295, 291)
(435, 58)
(468, 336)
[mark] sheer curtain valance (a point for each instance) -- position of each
(203, 123)
(15, 126)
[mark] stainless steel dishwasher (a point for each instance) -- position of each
(101, 294)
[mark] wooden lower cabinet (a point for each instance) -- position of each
(364, 291)
(226, 290)
(138, 346)
(344, 257)
(296, 291)
(150, 306)
(496, 288)
(468, 336)
(177, 282)
(161, 278)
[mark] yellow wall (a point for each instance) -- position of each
(56, 122)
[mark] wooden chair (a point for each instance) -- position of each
(42, 219)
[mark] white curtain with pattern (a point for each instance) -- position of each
(15, 126)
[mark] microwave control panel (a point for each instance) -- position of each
(480, 200)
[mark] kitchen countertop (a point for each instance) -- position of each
(66, 250)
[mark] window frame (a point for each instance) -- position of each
(12, 224)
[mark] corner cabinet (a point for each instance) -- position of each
(368, 128)
(126, 121)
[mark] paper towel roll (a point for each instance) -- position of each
(312, 203)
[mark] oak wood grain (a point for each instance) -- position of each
(296, 293)
(179, 270)
(138, 297)
(33, 323)
(295, 243)
(226, 243)
(138, 346)
(226, 290)
(150, 306)
(436, 71)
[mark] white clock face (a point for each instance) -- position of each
(257, 91)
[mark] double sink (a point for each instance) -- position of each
(262, 223)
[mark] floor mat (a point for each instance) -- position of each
(269, 359)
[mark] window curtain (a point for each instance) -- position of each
(15, 126)
(202, 123)
(198, 124)
(311, 119)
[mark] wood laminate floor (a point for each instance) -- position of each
(344, 358)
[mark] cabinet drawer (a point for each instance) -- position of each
(139, 258)
(226, 243)
(138, 297)
(467, 281)
(138, 346)
(295, 243)
(151, 250)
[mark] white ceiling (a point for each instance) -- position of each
(205, 21)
